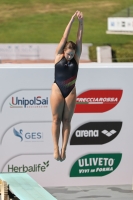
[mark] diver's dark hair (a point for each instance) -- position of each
(70, 45)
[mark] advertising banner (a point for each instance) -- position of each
(99, 150)
(120, 24)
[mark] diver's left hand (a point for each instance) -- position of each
(80, 16)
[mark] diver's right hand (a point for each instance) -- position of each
(73, 16)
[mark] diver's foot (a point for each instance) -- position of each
(56, 154)
(63, 154)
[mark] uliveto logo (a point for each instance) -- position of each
(97, 101)
(36, 102)
(33, 168)
(28, 136)
(95, 165)
(95, 133)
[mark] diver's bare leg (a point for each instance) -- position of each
(70, 102)
(57, 105)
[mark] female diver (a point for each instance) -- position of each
(63, 94)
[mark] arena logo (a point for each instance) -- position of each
(97, 101)
(95, 165)
(24, 168)
(28, 136)
(36, 102)
(95, 133)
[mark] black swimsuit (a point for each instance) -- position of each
(66, 75)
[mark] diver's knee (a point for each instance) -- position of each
(66, 121)
(56, 120)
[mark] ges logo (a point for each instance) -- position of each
(28, 136)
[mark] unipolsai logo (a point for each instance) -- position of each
(35, 102)
(28, 136)
(96, 133)
(97, 101)
(32, 168)
(95, 165)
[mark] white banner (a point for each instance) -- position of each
(99, 150)
(120, 24)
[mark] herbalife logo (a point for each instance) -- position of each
(95, 165)
(97, 101)
(95, 133)
(33, 168)
(28, 136)
(36, 102)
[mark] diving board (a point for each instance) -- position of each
(24, 187)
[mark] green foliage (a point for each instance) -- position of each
(120, 53)
(123, 53)
(92, 53)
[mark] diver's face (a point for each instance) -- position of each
(69, 54)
